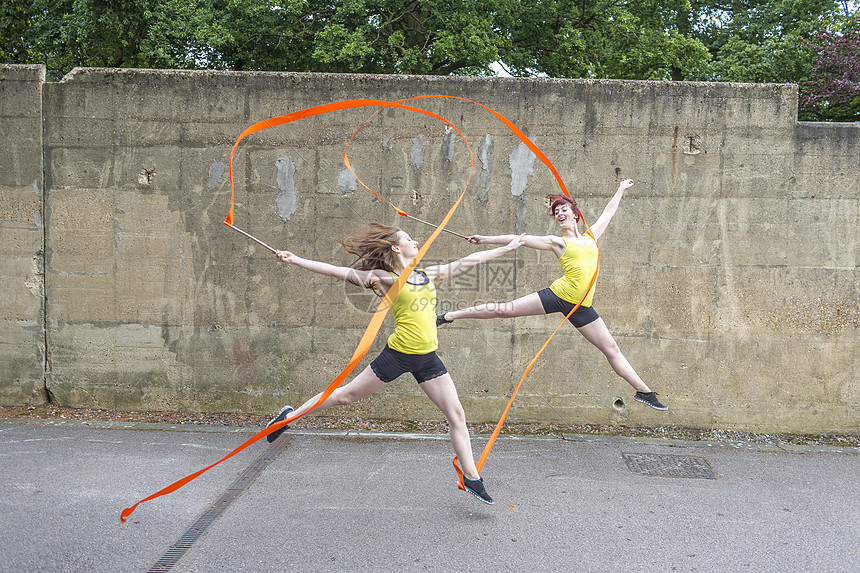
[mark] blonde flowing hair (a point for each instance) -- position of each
(373, 247)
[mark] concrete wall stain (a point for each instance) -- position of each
(419, 142)
(346, 181)
(287, 199)
(216, 170)
(449, 145)
(485, 151)
(522, 165)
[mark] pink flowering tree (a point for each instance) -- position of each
(834, 92)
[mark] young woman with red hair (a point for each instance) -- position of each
(577, 254)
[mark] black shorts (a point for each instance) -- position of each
(553, 303)
(390, 364)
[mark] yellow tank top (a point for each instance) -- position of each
(414, 314)
(579, 263)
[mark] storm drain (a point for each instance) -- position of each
(175, 552)
(663, 465)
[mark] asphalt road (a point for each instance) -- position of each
(332, 501)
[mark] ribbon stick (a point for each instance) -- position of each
(437, 226)
(252, 237)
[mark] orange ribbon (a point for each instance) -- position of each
(378, 316)
(381, 311)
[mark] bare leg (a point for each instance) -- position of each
(528, 305)
(362, 385)
(443, 393)
(598, 334)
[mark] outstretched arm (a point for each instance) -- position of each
(547, 243)
(602, 222)
(450, 270)
(366, 279)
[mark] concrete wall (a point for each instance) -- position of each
(729, 274)
(22, 336)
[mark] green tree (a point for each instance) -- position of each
(372, 36)
(762, 41)
(15, 21)
(126, 33)
(634, 39)
(713, 40)
(259, 35)
(414, 37)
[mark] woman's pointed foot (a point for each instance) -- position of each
(476, 488)
(649, 398)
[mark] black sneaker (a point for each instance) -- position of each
(282, 415)
(440, 320)
(649, 398)
(476, 486)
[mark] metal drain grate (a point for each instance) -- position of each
(662, 465)
(175, 552)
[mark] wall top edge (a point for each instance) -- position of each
(93, 74)
(30, 72)
(811, 125)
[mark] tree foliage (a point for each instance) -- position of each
(125, 33)
(759, 40)
(598, 39)
(709, 40)
(417, 37)
(369, 36)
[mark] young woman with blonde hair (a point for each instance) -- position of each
(383, 253)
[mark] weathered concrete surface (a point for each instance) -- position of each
(22, 340)
(729, 275)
